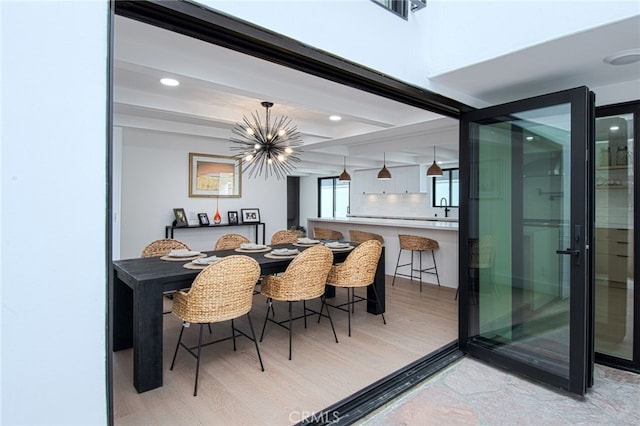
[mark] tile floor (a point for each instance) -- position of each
(472, 393)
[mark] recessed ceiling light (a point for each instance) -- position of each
(335, 118)
(623, 57)
(614, 128)
(169, 82)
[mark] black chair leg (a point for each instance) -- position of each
(375, 293)
(195, 386)
(335, 336)
(396, 271)
(290, 323)
(233, 335)
(435, 267)
(304, 311)
(266, 318)
(177, 347)
(255, 342)
(349, 306)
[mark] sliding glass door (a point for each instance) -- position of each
(525, 228)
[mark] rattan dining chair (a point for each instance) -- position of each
(222, 291)
(304, 279)
(163, 247)
(358, 270)
(230, 242)
(362, 236)
(284, 237)
(327, 234)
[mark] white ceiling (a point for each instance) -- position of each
(219, 86)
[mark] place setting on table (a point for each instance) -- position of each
(282, 253)
(180, 255)
(252, 248)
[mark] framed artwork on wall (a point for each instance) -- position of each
(250, 215)
(214, 176)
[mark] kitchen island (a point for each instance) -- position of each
(443, 231)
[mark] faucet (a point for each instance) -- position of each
(446, 209)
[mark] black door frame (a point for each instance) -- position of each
(208, 25)
(582, 100)
(610, 360)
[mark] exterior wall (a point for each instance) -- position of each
(52, 231)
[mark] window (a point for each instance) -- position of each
(446, 189)
(333, 197)
(398, 7)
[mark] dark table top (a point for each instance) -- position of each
(173, 275)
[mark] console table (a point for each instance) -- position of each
(168, 230)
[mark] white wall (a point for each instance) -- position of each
(52, 228)
(155, 168)
(308, 199)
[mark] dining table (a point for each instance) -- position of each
(136, 293)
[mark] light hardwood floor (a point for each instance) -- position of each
(232, 389)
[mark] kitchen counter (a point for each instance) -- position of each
(425, 218)
(395, 223)
(444, 232)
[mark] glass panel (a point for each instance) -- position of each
(455, 187)
(326, 197)
(522, 196)
(342, 198)
(614, 223)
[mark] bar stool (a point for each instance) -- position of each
(418, 244)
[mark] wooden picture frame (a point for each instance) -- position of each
(250, 215)
(203, 218)
(233, 217)
(214, 176)
(181, 218)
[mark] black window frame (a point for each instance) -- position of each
(334, 180)
(449, 172)
(397, 7)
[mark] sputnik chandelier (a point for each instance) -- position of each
(267, 147)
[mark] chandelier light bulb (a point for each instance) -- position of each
(250, 131)
(280, 157)
(257, 147)
(269, 160)
(281, 132)
(288, 150)
(248, 157)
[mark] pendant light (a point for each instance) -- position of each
(434, 170)
(384, 173)
(344, 175)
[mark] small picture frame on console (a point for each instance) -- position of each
(233, 218)
(203, 218)
(250, 215)
(181, 218)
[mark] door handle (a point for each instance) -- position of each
(569, 251)
(575, 253)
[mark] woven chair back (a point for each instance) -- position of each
(305, 277)
(359, 268)
(230, 242)
(362, 236)
(162, 247)
(327, 234)
(417, 243)
(284, 237)
(221, 291)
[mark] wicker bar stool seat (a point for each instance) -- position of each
(362, 236)
(222, 291)
(417, 244)
(327, 234)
